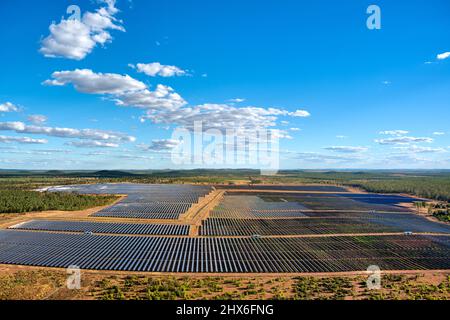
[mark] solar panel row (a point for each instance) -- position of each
(321, 188)
(242, 227)
(278, 255)
(137, 215)
(149, 208)
(102, 227)
(254, 214)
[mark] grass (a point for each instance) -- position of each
(309, 288)
(402, 287)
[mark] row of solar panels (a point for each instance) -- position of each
(254, 214)
(162, 198)
(144, 210)
(125, 188)
(137, 215)
(242, 227)
(356, 223)
(178, 208)
(102, 227)
(232, 255)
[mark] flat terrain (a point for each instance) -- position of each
(42, 283)
(306, 235)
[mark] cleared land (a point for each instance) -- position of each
(198, 229)
(42, 283)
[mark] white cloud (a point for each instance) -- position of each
(394, 132)
(341, 137)
(218, 116)
(157, 69)
(237, 100)
(443, 56)
(92, 144)
(318, 157)
(300, 114)
(295, 129)
(75, 39)
(386, 82)
(405, 158)
(87, 81)
(419, 149)
(163, 97)
(346, 149)
(165, 106)
(37, 119)
(90, 134)
(125, 90)
(8, 107)
(438, 133)
(403, 140)
(24, 140)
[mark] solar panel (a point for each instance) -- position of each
(183, 254)
(103, 227)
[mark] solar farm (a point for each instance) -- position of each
(233, 229)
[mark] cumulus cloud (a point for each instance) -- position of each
(164, 106)
(394, 132)
(75, 39)
(443, 56)
(438, 133)
(90, 134)
(222, 117)
(92, 144)
(87, 81)
(125, 90)
(346, 149)
(403, 140)
(24, 140)
(8, 107)
(163, 97)
(37, 118)
(300, 114)
(157, 69)
(217, 116)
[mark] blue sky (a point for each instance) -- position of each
(107, 92)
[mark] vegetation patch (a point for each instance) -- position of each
(29, 285)
(20, 201)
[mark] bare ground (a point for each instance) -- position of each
(32, 283)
